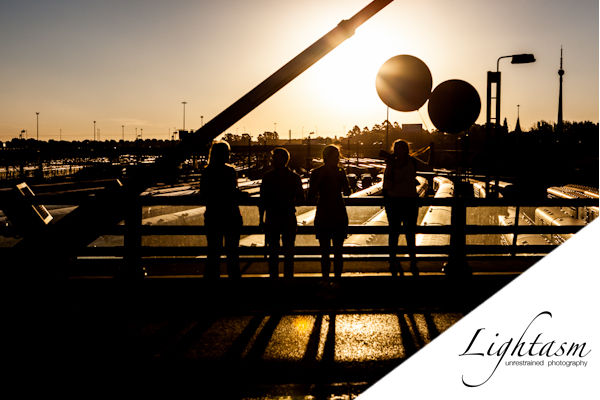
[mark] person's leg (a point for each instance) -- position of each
(324, 243)
(214, 242)
(410, 222)
(232, 242)
(338, 261)
(393, 236)
(272, 238)
(288, 238)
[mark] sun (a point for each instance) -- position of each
(343, 82)
(346, 76)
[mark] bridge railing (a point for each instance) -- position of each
(134, 253)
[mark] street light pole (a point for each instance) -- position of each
(94, 130)
(37, 126)
(494, 78)
(184, 103)
(308, 154)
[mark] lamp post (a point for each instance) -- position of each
(494, 78)
(94, 130)
(201, 120)
(308, 153)
(184, 103)
(37, 126)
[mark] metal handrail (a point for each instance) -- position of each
(134, 253)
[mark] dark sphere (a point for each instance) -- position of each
(404, 83)
(454, 106)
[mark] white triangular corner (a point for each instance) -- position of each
(566, 284)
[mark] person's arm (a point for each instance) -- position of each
(235, 179)
(312, 187)
(421, 165)
(204, 186)
(299, 196)
(238, 194)
(345, 184)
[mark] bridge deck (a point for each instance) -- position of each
(297, 337)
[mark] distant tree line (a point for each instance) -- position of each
(575, 146)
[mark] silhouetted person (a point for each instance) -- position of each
(327, 183)
(280, 190)
(222, 218)
(400, 194)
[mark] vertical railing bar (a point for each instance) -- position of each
(133, 238)
(513, 251)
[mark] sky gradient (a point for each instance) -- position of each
(132, 63)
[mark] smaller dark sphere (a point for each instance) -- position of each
(454, 106)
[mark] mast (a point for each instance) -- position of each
(561, 72)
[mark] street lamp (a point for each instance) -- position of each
(494, 77)
(308, 153)
(184, 103)
(37, 126)
(94, 130)
(201, 120)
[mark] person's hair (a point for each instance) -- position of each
(399, 143)
(219, 153)
(329, 151)
(281, 156)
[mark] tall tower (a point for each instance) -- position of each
(561, 72)
(518, 125)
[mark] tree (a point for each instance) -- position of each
(231, 138)
(354, 132)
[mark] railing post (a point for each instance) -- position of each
(133, 239)
(513, 250)
(457, 259)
